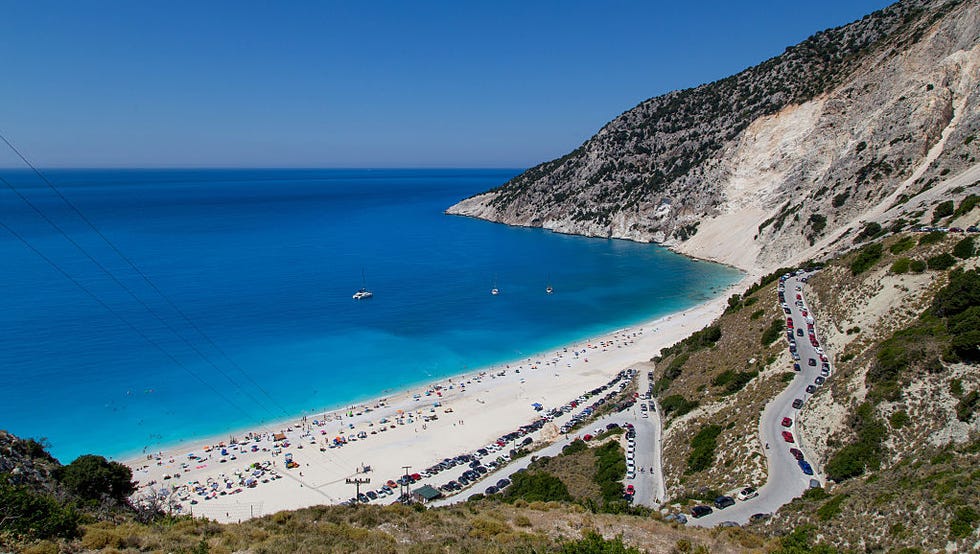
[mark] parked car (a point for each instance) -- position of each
(798, 403)
(723, 502)
(797, 453)
(756, 518)
(747, 493)
(788, 437)
(811, 362)
(805, 466)
(819, 380)
(786, 422)
(799, 332)
(701, 510)
(811, 389)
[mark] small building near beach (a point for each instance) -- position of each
(426, 493)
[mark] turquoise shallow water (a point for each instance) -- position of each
(263, 264)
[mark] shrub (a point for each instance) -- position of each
(773, 332)
(943, 209)
(92, 477)
(932, 238)
(899, 419)
(965, 248)
(677, 405)
(917, 266)
(577, 445)
(866, 258)
(941, 262)
(831, 507)
(870, 231)
(967, 205)
(903, 245)
(865, 452)
(593, 543)
(610, 465)
(757, 314)
(962, 523)
(703, 446)
(967, 405)
(962, 292)
(964, 331)
(30, 514)
(901, 265)
(536, 486)
(739, 380)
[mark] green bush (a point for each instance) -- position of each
(917, 266)
(703, 446)
(865, 452)
(967, 205)
(901, 265)
(965, 248)
(831, 507)
(93, 477)
(870, 231)
(677, 405)
(577, 445)
(915, 347)
(536, 486)
(903, 245)
(773, 332)
(967, 406)
(757, 314)
(866, 258)
(739, 380)
(932, 238)
(943, 209)
(593, 543)
(29, 514)
(962, 292)
(963, 521)
(610, 466)
(941, 262)
(899, 419)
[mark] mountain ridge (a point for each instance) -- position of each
(777, 157)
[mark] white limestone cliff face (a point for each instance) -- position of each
(787, 183)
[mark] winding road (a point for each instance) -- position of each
(786, 479)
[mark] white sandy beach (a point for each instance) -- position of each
(474, 410)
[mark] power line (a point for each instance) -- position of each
(123, 286)
(131, 293)
(138, 271)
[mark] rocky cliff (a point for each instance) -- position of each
(778, 161)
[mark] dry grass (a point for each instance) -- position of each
(484, 526)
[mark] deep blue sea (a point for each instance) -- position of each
(248, 317)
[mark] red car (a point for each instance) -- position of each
(797, 453)
(788, 437)
(789, 322)
(630, 491)
(787, 422)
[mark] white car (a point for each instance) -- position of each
(747, 493)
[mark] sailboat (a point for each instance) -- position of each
(362, 293)
(494, 290)
(549, 289)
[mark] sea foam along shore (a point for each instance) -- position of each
(421, 426)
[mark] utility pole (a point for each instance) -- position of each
(357, 482)
(404, 488)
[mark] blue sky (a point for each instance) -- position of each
(362, 84)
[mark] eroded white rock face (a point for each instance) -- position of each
(785, 185)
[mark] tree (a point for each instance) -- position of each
(93, 477)
(965, 248)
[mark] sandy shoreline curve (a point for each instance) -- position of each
(416, 428)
